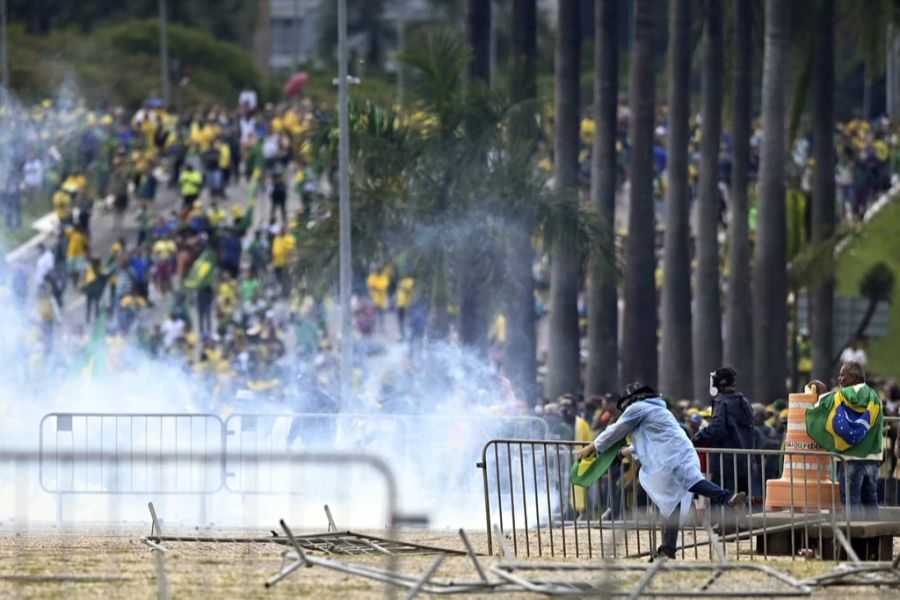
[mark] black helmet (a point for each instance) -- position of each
(724, 377)
(634, 392)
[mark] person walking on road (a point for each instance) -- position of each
(191, 180)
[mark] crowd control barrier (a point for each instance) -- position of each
(129, 446)
(889, 473)
(395, 437)
(528, 495)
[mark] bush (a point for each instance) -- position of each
(119, 64)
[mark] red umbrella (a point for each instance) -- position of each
(295, 84)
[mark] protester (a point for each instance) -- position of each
(670, 470)
(731, 427)
(850, 421)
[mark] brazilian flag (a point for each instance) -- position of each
(95, 360)
(848, 420)
(588, 470)
(202, 271)
(246, 220)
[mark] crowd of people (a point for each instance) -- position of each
(726, 420)
(197, 270)
(195, 264)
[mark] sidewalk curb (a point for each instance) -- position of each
(45, 227)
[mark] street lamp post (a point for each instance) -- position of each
(163, 53)
(344, 209)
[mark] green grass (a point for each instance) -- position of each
(879, 241)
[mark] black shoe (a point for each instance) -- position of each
(664, 551)
(737, 500)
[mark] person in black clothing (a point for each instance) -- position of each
(731, 426)
(279, 197)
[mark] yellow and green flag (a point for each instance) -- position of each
(586, 471)
(202, 271)
(848, 420)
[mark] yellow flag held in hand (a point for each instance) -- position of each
(586, 471)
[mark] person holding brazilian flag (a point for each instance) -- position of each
(850, 421)
(670, 469)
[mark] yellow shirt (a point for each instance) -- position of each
(224, 156)
(378, 283)
(216, 216)
(405, 291)
(78, 244)
(164, 249)
(62, 205)
(282, 248)
(190, 182)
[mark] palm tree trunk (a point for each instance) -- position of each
(770, 252)
(520, 354)
(738, 313)
(708, 324)
(473, 296)
(639, 360)
(603, 320)
(823, 214)
(478, 36)
(564, 363)
(675, 362)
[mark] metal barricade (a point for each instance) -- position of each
(528, 494)
(130, 445)
(396, 438)
(889, 471)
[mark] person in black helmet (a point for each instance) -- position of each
(731, 426)
(670, 469)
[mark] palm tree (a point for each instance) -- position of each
(738, 314)
(770, 252)
(708, 324)
(520, 360)
(639, 360)
(603, 321)
(676, 294)
(823, 215)
(564, 362)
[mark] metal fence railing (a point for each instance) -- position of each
(129, 446)
(396, 436)
(889, 472)
(528, 495)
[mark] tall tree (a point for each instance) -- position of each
(639, 360)
(564, 363)
(478, 36)
(475, 259)
(520, 361)
(675, 362)
(603, 321)
(708, 324)
(823, 214)
(770, 252)
(738, 313)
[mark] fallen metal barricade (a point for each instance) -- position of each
(293, 560)
(514, 572)
(527, 493)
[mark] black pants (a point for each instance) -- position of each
(92, 307)
(716, 495)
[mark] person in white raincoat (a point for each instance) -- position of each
(670, 469)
